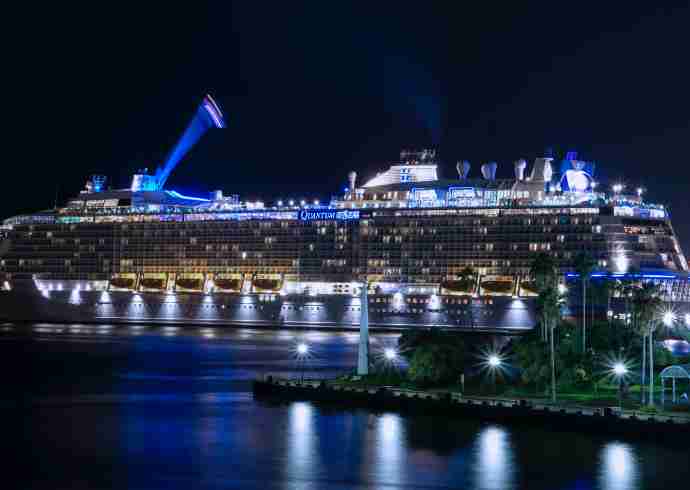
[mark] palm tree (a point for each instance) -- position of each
(550, 306)
(584, 264)
(543, 270)
(545, 275)
(647, 302)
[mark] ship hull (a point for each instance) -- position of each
(497, 315)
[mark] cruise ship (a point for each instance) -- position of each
(452, 253)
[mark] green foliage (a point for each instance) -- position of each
(613, 336)
(434, 357)
(646, 302)
(664, 358)
(584, 264)
(532, 357)
(543, 270)
(574, 370)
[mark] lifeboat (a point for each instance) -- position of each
(154, 283)
(190, 283)
(497, 286)
(123, 283)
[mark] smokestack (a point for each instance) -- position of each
(352, 177)
(489, 170)
(520, 167)
(463, 169)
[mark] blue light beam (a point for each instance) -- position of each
(207, 116)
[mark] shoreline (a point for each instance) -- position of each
(324, 327)
(605, 420)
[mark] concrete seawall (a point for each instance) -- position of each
(655, 427)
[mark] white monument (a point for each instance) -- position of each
(363, 354)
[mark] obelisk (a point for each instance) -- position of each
(363, 354)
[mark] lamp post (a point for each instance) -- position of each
(620, 370)
(668, 318)
(494, 364)
(390, 354)
(302, 351)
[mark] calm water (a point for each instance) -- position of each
(99, 407)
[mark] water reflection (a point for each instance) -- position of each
(180, 414)
(389, 461)
(495, 465)
(302, 456)
(618, 467)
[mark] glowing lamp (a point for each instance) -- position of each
(302, 349)
(390, 354)
(619, 369)
(668, 318)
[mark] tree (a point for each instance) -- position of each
(533, 360)
(548, 304)
(646, 303)
(434, 356)
(584, 264)
(543, 270)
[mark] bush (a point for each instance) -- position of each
(434, 357)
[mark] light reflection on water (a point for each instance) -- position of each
(618, 467)
(495, 466)
(177, 412)
(302, 458)
(390, 450)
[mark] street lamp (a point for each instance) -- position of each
(302, 351)
(494, 362)
(620, 370)
(390, 354)
(668, 318)
(562, 289)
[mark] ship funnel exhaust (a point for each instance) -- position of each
(352, 178)
(463, 169)
(207, 116)
(520, 167)
(489, 170)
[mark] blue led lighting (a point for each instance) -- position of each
(177, 195)
(626, 275)
(207, 116)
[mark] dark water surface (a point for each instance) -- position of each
(123, 407)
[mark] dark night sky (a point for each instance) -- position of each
(311, 91)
